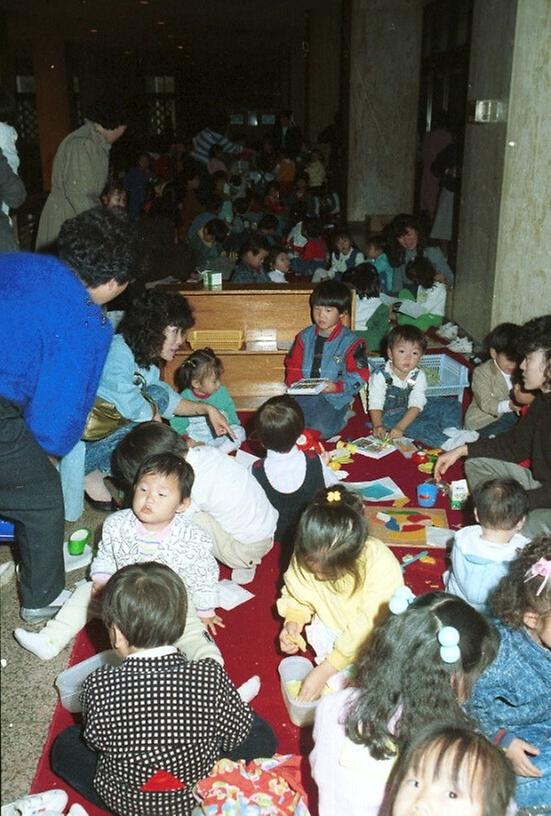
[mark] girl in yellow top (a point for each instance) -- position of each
(338, 577)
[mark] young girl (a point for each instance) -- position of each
(511, 699)
(340, 580)
(313, 253)
(278, 264)
(375, 252)
(250, 268)
(198, 379)
(372, 320)
(446, 770)
(431, 295)
(417, 668)
(345, 257)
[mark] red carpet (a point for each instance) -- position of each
(249, 641)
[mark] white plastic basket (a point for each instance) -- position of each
(296, 668)
(69, 682)
(446, 377)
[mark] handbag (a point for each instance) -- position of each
(105, 418)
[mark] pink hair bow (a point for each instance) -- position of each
(541, 569)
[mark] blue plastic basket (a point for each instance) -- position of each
(453, 377)
(7, 530)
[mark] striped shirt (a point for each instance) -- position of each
(204, 140)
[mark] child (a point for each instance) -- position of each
(339, 579)
(215, 163)
(285, 171)
(451, 770)
(375, 252)
(272, 201)
(482, 552)
(289, 477)
(239, 517)
(346, 257)
(315, 170)
(431, 295)
(114, 197)
(372, 316)
(330, 351)
(206, 244)
(198, 378)
(493, 409)
(156, 724)
(268, 228)
(278, 264)
(511, 698)
(404, 679)
(398, 404)
(314, 252)
(300, 200)
(155, 528)
(250, 269)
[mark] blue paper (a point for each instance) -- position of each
(376, 491)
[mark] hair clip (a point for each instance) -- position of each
(334, 496)
(448, 638)
(400, 600)
(190, 362)
(541, 569)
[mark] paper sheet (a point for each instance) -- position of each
(384, 489)
(231, 595)
(245, 459)
(439, 536)
(412, 309)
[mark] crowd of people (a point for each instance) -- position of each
(440, 700)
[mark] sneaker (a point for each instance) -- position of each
(49, 802)
(36, 642)
(43, 613)
(243, 575)
(249, 689)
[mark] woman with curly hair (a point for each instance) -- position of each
(405, 678)
(530, 438)
(406, 241)
(152, 331)
(511, 699)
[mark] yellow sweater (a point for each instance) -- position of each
(353, 616)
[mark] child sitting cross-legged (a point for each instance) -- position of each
(154, 528)
(329, 351)
(482, 552)
(157, 723)
(398, 404)
(198, 378)
(290, 477)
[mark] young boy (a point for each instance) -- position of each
(252, 255)
(398, 404)
(481, 552)
(290, 477)
(492, 409)
(156, 528)
(157, 723)
(206, 244)
(330, 351)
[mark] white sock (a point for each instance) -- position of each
(38, 643)
(249, 689)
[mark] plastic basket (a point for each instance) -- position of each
(219, 340)
(446, 377)
(69, 682)
(296, 668)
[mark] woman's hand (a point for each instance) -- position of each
(313, 684)
(218, 421)
(291, 629)
(447, 460)
(516, 754)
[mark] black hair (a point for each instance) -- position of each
(217, 228)
(331, 535)
(268, 222)
(312, 228)
(273, 254)
(195, 367)
(218, 175)
(536, 336)
(147, 603)
(341, 233)
(500, 503)
(398, 227)
(100, 245)
(146, 440)
(456, 754)
(422, 271)
(8, 107)
(523, 589)
(240, 205)
(255, 244)
(213, 203)
(376, 240)
(504, 339)
(272, 185)
(279, 422)
(108, 113)
(168, 464)
(215, 151)
(401, 666)
(365, 280)
(332, 293)
(406, 334)
(144, 324)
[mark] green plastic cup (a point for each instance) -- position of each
(78, 541)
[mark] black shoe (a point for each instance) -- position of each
(103, 506)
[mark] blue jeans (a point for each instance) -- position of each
(438, 413)
(504, 423)
(531, 790)
(319, 414)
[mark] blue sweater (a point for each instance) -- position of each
(54, 341)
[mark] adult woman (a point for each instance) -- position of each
(80, 170)
(405, 241)
(151, 331)
(530, 438)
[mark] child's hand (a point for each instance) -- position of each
(288, 637)
(395, 433)
(212, 623)
(192, 443)
(379, 431)
(314, 683)
(324, 456)
(516, 754)
(330, 388)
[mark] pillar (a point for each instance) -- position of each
(52, 98)
(324, 66)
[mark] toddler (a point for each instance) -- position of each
(330, 351)
(451, 770)
(314, 251)
(227, 501)
(493, 408)
(339, 581)
(345, 257)
(278, 264)
(155, 528)
(250, 268)
(482, 552)
(114, 197)
(511, 698)
(375, 253)
(154, 725)
(431, 295)
(289, 477)
(315, 170)
(398, 404)
(198, 379)
(404, 678)
(371, 316)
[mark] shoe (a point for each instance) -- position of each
(42, 613)
(249, 689)
(7, 571)
(243, 575)
(102, 506)
(77, 810)
(462, 345)
(38, 643)
(460, 438)
(52, 801)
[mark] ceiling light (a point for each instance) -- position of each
(93, 31)
(161, 22)
(180, 48)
